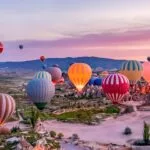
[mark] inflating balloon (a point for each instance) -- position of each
(42, 58)
(132, 69)
(40, 91)
(43, 75)
(56, 73)
(1, 47)
(146, 71)
(7, 107)
(115, 86)
(79, 74)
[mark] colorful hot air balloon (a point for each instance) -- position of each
(79, 74)
(1, 47)
(132, 69)
(146, 71)
(40, 91)
(43, 75)
(115, 87)
(56, 74)
(42, 58)
(7, 107)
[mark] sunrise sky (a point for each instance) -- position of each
(118, 29)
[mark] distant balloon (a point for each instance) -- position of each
(91, 81)
(43, 75)
(42, 58)
(56, 65)
(1, 47)
(7, 107)
(79, 74)
(146, 71)
(132, 69)
(115, 87)
(40, 91)
(56, 73)
(20, 46)
(98, 82)
(44, 66)
(148, 58)
(104, 74)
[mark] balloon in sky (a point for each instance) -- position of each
(40, 91)
(42, 58)
(79, 74)
(115, 87)
(148, 58)
(1, 47)
(43, 75)
(132, 69)
(20, 46)
(146, 71)
(7, 107)
(56, 73)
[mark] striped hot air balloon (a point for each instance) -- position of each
(43, 75)
(115, 87)
(56, 74)
(1, 47)
(7, 107)
(132, 69)
(79, 74)
(40, 91)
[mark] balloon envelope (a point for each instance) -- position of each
(132, 69)
(98, 82)
(42, 58)
(43, 75)
(79, 74)
(1, 47)
(56, 73)
(146, 71)
(7, 107)
(91, 81)
(40, 91)
(115, 87)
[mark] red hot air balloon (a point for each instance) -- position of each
(42, 58)
(115, 87)
(7, 107)
(1, 47)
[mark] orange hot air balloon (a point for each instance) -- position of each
(146, 71)
(79, 74)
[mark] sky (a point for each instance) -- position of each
(118, 29)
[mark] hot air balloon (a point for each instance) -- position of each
(7, 107)
(146, 71)
(79, 74)
(115, 86)
(1, 47)
(56, 73)
(91, 81)
(42, 58)
(132, 69)
(40, 91)
(20, 46)
(98, 82)
(44, 66)
(43, 75)
(148, 58)
(104, 74)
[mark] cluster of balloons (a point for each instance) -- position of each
(41, 89)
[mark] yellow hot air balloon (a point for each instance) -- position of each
(146, 71)
(132, 69)
(79, 74)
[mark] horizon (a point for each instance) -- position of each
(60, 29)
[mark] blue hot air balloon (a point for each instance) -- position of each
(44, 66)
(91, 81)
(98, 81)
(43, 75)
(40, 92)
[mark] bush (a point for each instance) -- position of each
(15, 129)
(127, 131)
(53, 134)
(60, 135)
(146, 133)
(112, 109)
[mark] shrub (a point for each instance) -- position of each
(146, 133)
(127, 131)
(15, 129)
(53, 134)
(112, 109)
(60, 135)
